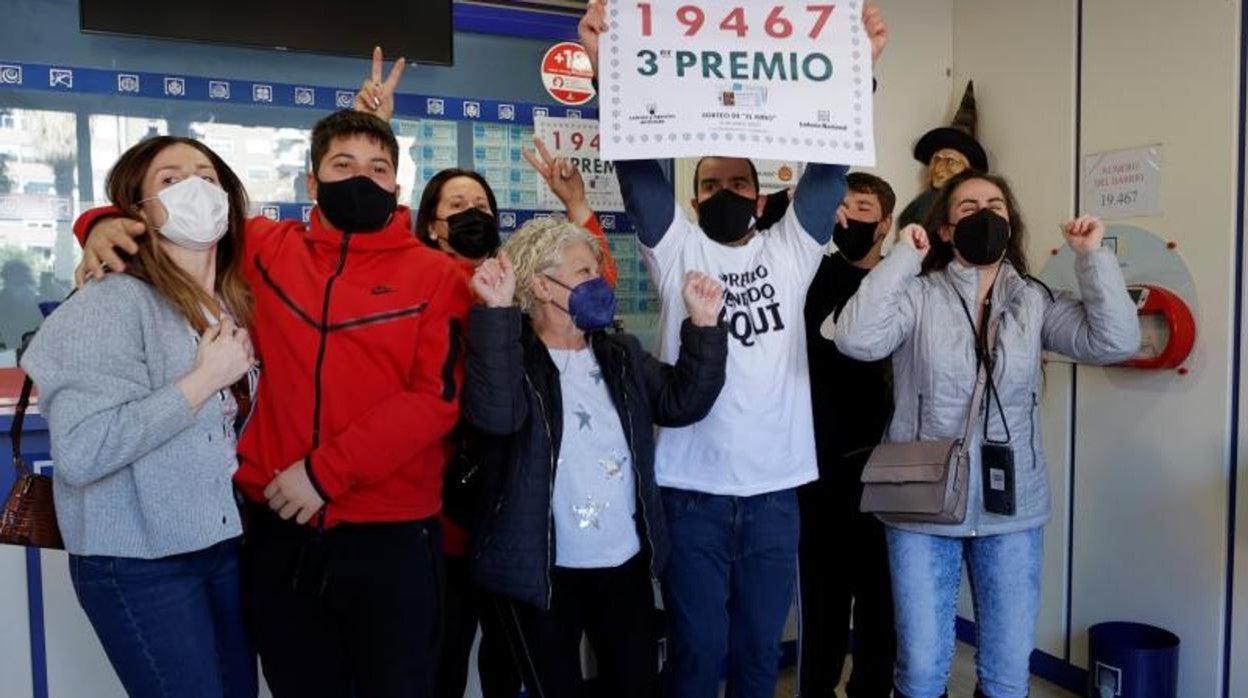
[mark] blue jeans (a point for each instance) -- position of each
(172, 626)
(727, 590)
(1005, 575)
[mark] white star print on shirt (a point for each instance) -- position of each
(613, 464)
(589, 512)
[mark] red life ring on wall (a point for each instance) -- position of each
(1156, 300)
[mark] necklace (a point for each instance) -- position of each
(567, 359)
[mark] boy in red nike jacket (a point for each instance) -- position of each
(358, 328)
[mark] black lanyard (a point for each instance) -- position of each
(984, 358)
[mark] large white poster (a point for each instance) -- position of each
(780, 80)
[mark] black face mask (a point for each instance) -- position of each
(355, 205)
(855, 240)
(777, 205)
(726, 217)
(472, 233)
(981, 238)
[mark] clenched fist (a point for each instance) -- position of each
(704, 298)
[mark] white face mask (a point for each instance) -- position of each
(197, 213)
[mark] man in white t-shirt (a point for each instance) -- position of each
(729, 481)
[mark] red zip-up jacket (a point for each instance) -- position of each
(360, 339)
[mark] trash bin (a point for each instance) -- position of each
(1132, 660)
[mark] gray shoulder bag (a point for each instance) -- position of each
(924, 481)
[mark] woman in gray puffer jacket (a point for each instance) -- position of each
(974, 274)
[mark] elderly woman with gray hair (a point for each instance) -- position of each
(571, 529)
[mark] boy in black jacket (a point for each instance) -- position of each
(842, 553)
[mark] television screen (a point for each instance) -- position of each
(420, 30)
(576, 7)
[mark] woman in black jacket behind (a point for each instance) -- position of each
(571, 528)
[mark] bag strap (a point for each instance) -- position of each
(23, 401)
(15, 430)
(981, 381)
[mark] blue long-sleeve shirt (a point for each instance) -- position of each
(651, 204)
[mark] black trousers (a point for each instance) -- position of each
(497, 660)
(843, 565)
(614, 608)
(352, 611)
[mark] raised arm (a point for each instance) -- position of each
(648, 199)
(883, 313)
(683, 394)
(822, 187)
(564, 179)
(648, 196)
(495, 401)
(818, 196)
(1102, 327)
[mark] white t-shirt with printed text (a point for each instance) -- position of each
(759, 436)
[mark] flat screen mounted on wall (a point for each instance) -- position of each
(417, 29)
(576, 7)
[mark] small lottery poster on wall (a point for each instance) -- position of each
(577, 140)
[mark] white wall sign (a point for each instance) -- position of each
(783, 79)
(577, 140)
(1123, 183)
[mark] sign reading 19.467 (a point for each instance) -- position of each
(779, 79)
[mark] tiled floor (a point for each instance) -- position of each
(961, 684)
